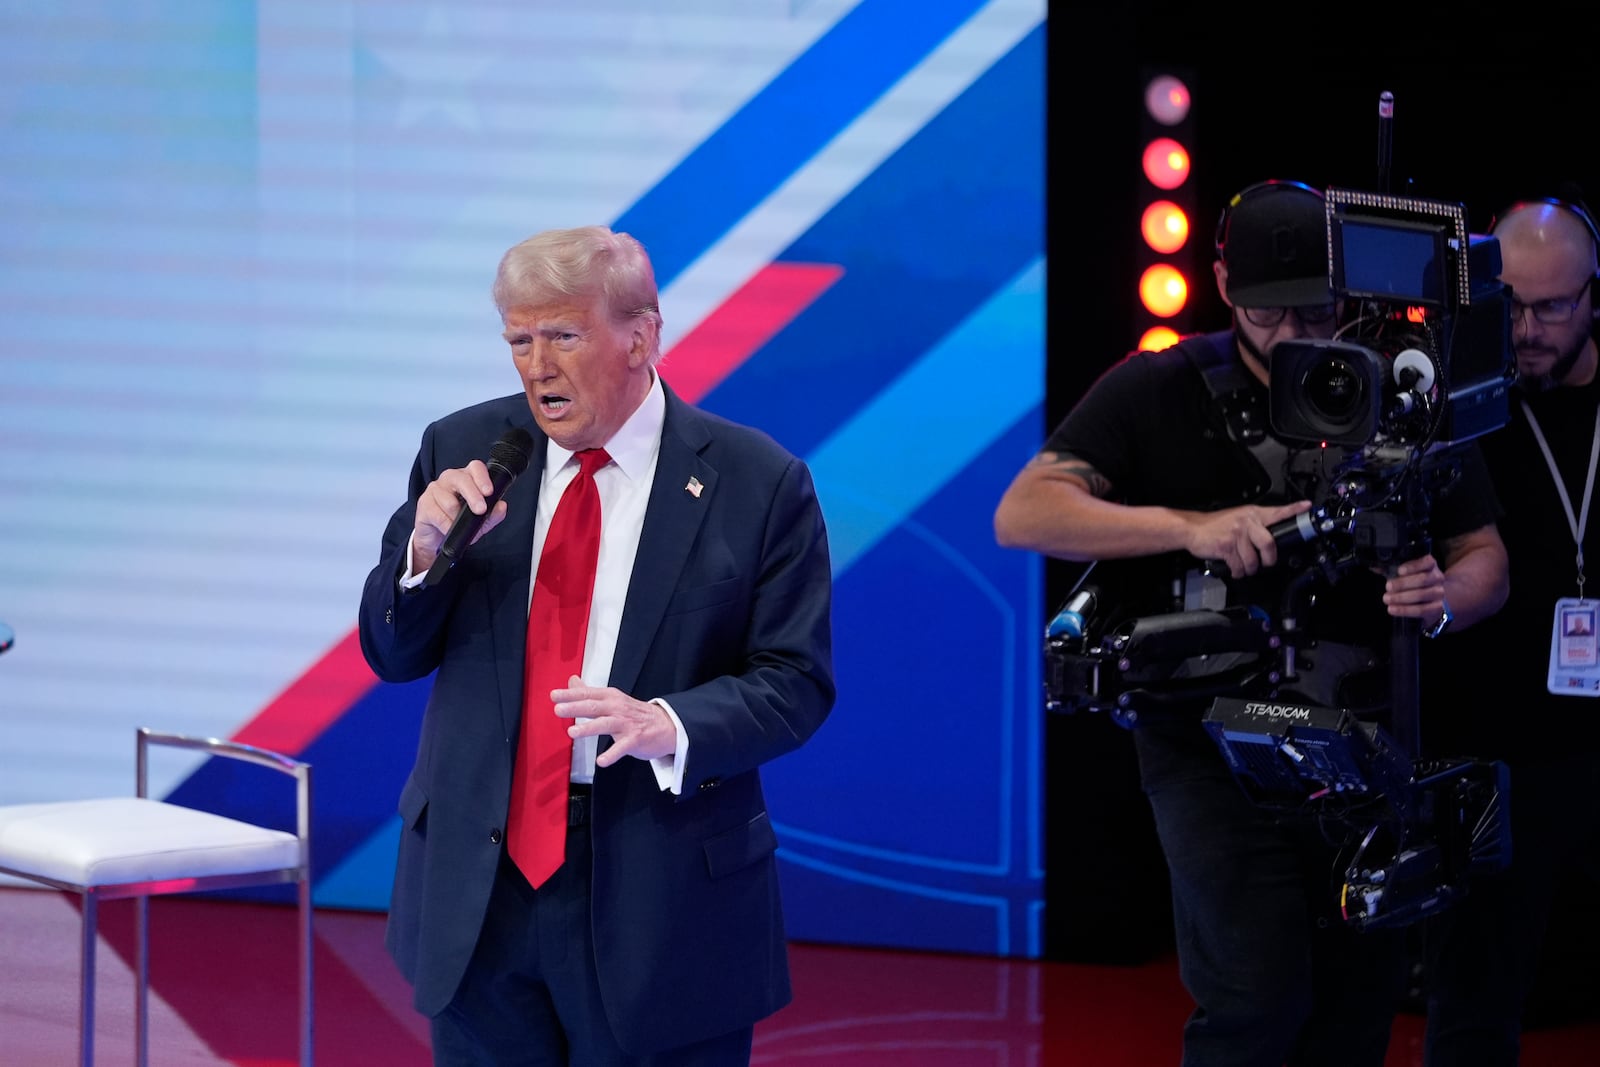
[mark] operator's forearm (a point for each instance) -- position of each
(1053, 513)
(1476, 575)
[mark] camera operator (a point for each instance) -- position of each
(1149, 467)
(1523, 688)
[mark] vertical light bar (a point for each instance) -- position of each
(1165, 261)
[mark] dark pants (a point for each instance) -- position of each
(1484, 951)
(1276, 974)
(531, 997)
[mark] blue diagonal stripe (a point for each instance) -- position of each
(784, 125)
(947, 220)
(917, 429)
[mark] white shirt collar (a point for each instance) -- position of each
(634, 446)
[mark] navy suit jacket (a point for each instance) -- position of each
(727, 617)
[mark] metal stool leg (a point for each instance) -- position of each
(307, 999)
(141, 996)
(91, 931)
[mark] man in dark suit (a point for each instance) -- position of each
(658, 938)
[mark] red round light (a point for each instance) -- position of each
(1166, 163)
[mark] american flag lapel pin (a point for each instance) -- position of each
(694, 487)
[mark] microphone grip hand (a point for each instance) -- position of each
(507, 460)
(466, 530)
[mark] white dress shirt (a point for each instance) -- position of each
(624, 486)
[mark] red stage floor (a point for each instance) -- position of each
(223, 993)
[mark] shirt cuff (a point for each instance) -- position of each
(409, 580)
(669, 769)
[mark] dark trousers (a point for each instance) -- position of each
(1277, 976)
(531, 996)
(1484, 950)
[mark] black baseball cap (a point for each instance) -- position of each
(1274, 241)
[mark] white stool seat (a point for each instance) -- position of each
(117, 840)
(120, 847)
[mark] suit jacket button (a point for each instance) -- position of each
(494, 836)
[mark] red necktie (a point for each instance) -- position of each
(558, 623)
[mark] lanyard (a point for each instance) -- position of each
(1580, 522)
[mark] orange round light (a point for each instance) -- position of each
(1158, 337)
(1163, 290)
(1166, 163)
(1165, 226)
(1166, 98)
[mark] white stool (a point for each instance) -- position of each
(137, 847)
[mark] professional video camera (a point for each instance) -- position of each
(1420, 366)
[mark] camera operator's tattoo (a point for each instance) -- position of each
(1066, 463)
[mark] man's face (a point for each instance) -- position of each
(1551, 310)
(1261, 328)
(1258, 329)
(583, 374)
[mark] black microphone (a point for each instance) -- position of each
(507, 459)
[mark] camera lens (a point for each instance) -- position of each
(1335, 390)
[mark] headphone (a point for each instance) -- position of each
(1272, 185)
(1572, 207)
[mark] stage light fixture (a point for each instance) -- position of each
(1165, 226)
(1166, 98)
(1158, 337)
(1165, 260)
(1163, 290)
(1166, 163)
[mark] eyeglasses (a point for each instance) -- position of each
(1311, 315)
(1552, 312)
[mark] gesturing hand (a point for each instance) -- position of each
(637, 728)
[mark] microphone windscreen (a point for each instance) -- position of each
(512, 451)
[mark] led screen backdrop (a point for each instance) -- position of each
(245, 259)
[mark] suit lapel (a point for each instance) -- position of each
(507, 591)
(671, 522)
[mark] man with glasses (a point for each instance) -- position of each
(1524, 687)
(1167, 463)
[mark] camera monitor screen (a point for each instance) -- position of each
(1386, 259)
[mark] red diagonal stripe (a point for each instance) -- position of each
(748, 319)
(301, 712)
(772, 298)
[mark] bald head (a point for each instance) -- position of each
(1547, 258)
(1546, 232)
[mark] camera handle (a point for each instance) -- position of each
(1405, 643)
(1405, 646)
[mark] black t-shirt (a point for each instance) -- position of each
(1485, 692)
(1151, 426)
